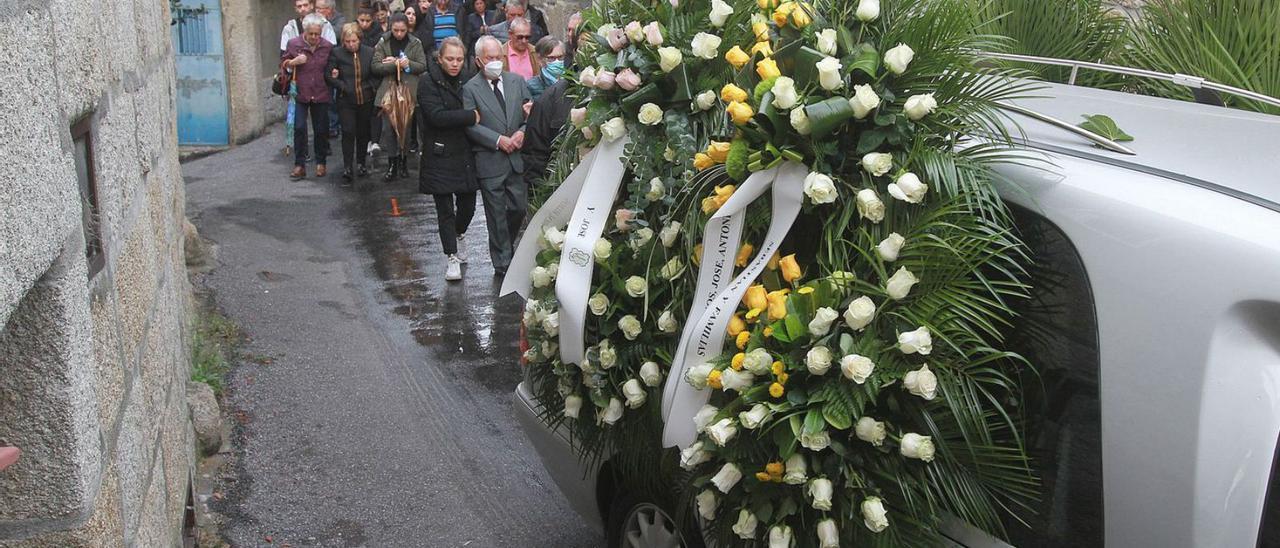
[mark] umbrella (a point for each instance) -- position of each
(289, 115)
(397, 106)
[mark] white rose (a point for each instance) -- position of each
(637, 286)
(532, 311)
(588, 134)
(915, 446)
(746, 526)
(908, 188)
(669, 233)
(897, 59)
(634, 393)
(820, 188)
(815, 442)
(650, 114)
(754, 417)
(635, 32)
(672, 269)
(868, 10)
(800, 121)
(797, 471)
(705, 100)
(707, 503)
(602, 250)
(857, 368)
(614, 128)
(656, 190)
(549, 349)
(650, 373)
(540, 276)
(572, 406)
(860, 313)
(553, 237)
(722, 431)
(900, 284)
(877, 163)
(829, 73)
(737, 381)
(693, 455)
(780, 536)
(758, 361)
(870, 430)
(889, 247)
(696, 376)
(705, 46)
(919, 106)
(869, 205)
(669, 58)
(551, 324)
(827, 41)
(820, 494)
(667, 322)
(912, 342)
(921, 382)
(874, 516)
(588, 78)
(613, 412)
(640, 238)
(821, 323)
(704, 416)
(818, 360)
(864, 100)
(828, 534)
(630, 326)
(720, 12)
(784, 93)
(598, 303)
(727, 477)
(608, 355)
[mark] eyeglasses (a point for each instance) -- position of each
(555, 57)
(522, 37)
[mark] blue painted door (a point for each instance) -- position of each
(203, 117)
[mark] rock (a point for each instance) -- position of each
(198, 252)
(206, 417)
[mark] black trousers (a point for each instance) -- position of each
(319, 114)
(355, 132)
(453, 214)
(375, 128)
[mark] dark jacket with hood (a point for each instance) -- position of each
(448, 166)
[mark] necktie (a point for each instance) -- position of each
(498, 93)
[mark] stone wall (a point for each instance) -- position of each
(93, 362)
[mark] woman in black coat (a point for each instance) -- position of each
(447, 172)
(351, 71)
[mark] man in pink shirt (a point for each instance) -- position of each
(520, 57)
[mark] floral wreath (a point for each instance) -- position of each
(861, 397)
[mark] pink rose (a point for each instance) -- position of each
(617, 39)
(605, 79)
(628, 80)
(578, 116)
(622, 219)
(674, 3)
(587, 133)
(653, 34)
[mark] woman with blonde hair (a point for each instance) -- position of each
(351, 71)
(448, 166)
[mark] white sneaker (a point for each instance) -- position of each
(462, 248)
(373, 147)
(453, 272)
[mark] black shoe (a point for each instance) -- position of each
(362, 171)
(346, 177)
(404, 167)
(499, 272)
(392, 165)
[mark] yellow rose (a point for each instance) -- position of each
(722, 194)
(731, 93)
(773, 261)
(800, 16)
(740, 112)
(744, 255)
(702, 161)
(782, 377)
(781, 14)
(767, 4)
(776, 390)
(763, 48)
(777, 304)
(743, 338)
(736, 57)
(790, 269)
(736, 325)
(762, 476)
(736, 363)
(761, 30)
(756, 298)
(768, 68)
(713, 379)
(774, 469)
(805, 290)
(719, 152)
(768, 332)
(754, 314)
(777, 368)
(710, 205)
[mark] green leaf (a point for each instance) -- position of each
(837, 415)
(813, 422)
(1103, 125)
(865, 59)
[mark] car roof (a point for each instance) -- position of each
(1228, 150)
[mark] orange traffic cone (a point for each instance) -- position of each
(395, 208)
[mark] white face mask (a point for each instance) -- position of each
(493, 69)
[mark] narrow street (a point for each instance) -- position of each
(373, 400)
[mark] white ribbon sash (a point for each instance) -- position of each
(703, 337)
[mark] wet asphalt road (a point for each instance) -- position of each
(373, 400)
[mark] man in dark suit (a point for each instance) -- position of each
(503, 101)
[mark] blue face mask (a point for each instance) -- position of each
(553, 70)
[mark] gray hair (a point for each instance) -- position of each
(485, 39)
(324, 3)
(519, 22)
(546, 45)
(522, 3)
(314, 20)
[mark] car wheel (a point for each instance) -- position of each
(636, 522)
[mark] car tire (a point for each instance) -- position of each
(640, 522)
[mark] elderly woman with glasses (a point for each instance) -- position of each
(550, 50)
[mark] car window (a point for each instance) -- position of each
(1057, 331)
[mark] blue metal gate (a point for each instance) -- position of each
(203, 117)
